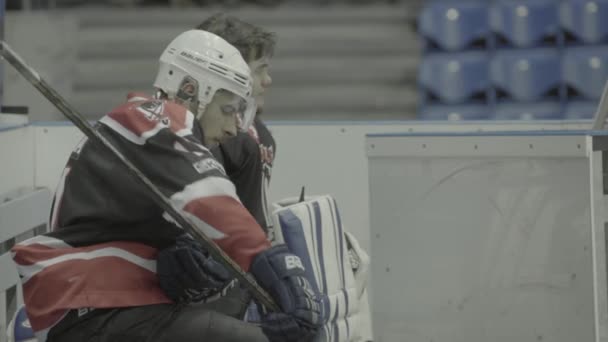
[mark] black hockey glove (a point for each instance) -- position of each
(187, 273)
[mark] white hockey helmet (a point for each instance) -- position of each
(204, 61)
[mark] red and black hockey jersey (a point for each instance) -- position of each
(106, 231)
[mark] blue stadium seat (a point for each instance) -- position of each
(526, 75)
(455, 25)
(584, 21)
(525, 23)
(585, 71)
(528, 111)
(454, 78)
(577, 110)
(20, 329)
(454, 112)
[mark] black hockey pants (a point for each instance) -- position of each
(214, 321)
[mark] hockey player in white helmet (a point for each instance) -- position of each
(95, 276)
(247, 158)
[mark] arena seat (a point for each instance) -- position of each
(526, 75)
(454, 25)
(525, 23)
(580, 110)
(584, 21)
(455, 77)
(528, 111)
(584, 71)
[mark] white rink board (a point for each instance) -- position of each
(53, 147)
(16, 158)
(471, 244)
(328, 158)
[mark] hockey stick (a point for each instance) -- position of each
(602, 110)
(85, 127)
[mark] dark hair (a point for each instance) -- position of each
(252, 41)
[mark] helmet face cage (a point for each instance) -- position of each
(244, 116)
(196, 65)
(214, 76)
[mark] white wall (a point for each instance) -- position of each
(16, 158)
(53, 147)
(488, 243)
(327, 158)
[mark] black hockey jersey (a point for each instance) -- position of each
(106, 231)
(248, 160)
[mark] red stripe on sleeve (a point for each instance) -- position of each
(26, 255)
(244, 237)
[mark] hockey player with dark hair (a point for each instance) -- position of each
(94, 276)
(248, 158)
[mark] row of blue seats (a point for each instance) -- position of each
(519, 75)
(470, 24)
(575, 110)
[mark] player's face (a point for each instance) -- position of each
(261, 79)
(219, 121)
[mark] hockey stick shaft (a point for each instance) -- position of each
(602, 110)
(85, 127)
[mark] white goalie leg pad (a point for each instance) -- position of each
(313, 230)
(360, 264)
(359, 260)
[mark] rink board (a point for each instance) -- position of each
(487, 237)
